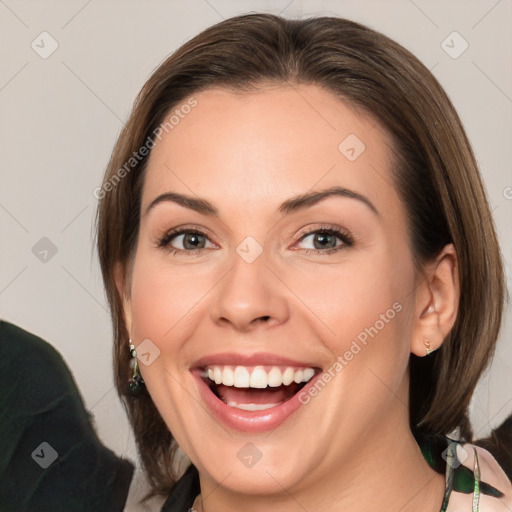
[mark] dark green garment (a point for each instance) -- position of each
(51, 458)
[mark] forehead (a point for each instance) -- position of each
(259, 148)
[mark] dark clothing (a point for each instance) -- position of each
(51, 458)
(184, 492)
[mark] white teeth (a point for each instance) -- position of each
(217, 375)
(275, 378)
(252, 407)
(308, 374)
(258, 377)
(288, 376)
(241, 377)
(228, 377)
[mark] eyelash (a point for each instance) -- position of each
(342, 234)
(345, 237)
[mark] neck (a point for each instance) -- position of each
(385, 471)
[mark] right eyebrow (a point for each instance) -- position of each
(197, 204)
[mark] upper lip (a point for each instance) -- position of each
(255, 359)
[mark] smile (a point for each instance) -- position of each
(253, 398)
(252, 384)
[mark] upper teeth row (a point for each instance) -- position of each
(239, 376)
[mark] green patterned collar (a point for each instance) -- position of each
(441, 454)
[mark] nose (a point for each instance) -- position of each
(250, 294)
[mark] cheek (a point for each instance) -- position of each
(164, 302)
(361, 298)
(164, 296)
(369, 309)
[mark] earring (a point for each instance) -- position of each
(429, 346)
(136, 381)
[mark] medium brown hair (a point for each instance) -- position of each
(435, 173)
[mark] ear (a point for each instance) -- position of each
(122, 286)
(437, 302)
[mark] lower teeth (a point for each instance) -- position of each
(252, 407)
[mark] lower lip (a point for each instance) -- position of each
(250, 421)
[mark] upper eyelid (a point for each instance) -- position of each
(172, 233)
(341, 233)
(322, 227)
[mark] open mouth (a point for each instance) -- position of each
(256, 388)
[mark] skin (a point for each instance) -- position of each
(246, 154)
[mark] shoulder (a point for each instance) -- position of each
(494, 493)
(24, 348)
(32, 369)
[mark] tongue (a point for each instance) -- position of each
(256, 396)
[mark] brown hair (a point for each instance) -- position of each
(435, 172)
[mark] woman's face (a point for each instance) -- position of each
(302, 310)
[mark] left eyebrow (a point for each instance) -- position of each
(306, 200)
(291, 205)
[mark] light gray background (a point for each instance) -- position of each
(60, 117)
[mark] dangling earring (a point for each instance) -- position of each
(429, 346)
(136, 380)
